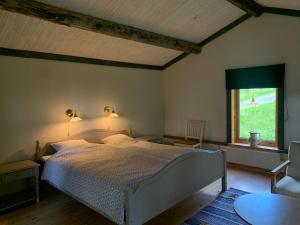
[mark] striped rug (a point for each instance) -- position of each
(219, 212)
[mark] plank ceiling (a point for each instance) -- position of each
(191, 20)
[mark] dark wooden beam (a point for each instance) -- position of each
(90, 23)
(249, 6)
(210, 38)
(280, 11)
(175, 60)
(75, 59)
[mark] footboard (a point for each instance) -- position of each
(175, 182)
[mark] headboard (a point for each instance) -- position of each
(93, 136)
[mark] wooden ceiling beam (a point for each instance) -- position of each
(74, 59)
(281, 11)
(90, 23)
(249, 6)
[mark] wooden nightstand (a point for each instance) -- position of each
(154, 139)
(11, 172)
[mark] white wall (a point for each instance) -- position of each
(195, 86)
(34, 95)
(256, 158)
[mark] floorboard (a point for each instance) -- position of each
(56, 208)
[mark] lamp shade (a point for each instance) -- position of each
(73, 116)
(111, 111)
(75, 119)
(113, 114)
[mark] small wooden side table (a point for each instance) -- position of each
(11, 172)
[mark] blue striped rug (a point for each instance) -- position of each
(220, 211)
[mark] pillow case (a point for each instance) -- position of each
(117, 139)
(62, 145)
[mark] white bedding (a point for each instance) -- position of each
(100, 174)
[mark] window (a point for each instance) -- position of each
(255, 110)
(255, 102)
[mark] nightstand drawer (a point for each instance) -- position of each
(4, 178)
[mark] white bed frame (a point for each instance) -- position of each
(179, 179)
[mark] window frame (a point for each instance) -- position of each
(235, 129)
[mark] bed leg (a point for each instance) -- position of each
(224, 178)
(224, 183)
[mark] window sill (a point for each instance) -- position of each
(258, 148)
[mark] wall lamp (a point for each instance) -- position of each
(111, 110)
(73, 116)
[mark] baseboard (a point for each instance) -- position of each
(249, 168)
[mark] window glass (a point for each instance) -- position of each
(257, 112)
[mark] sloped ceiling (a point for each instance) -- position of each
(190, 20)
(26, 33)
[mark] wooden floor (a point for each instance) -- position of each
(58, 209)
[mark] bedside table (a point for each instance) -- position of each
(154, 139)
(21, 170)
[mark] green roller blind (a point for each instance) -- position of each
(256, 77)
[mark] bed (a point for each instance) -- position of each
(133, 181)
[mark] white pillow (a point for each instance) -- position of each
(117, 139)
(63, 145)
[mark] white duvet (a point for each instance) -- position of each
(100, 174)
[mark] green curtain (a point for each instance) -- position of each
(256, 77)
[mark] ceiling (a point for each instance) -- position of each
(190, 20)
(26, 33)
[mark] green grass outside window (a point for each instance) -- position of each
(259, 118)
